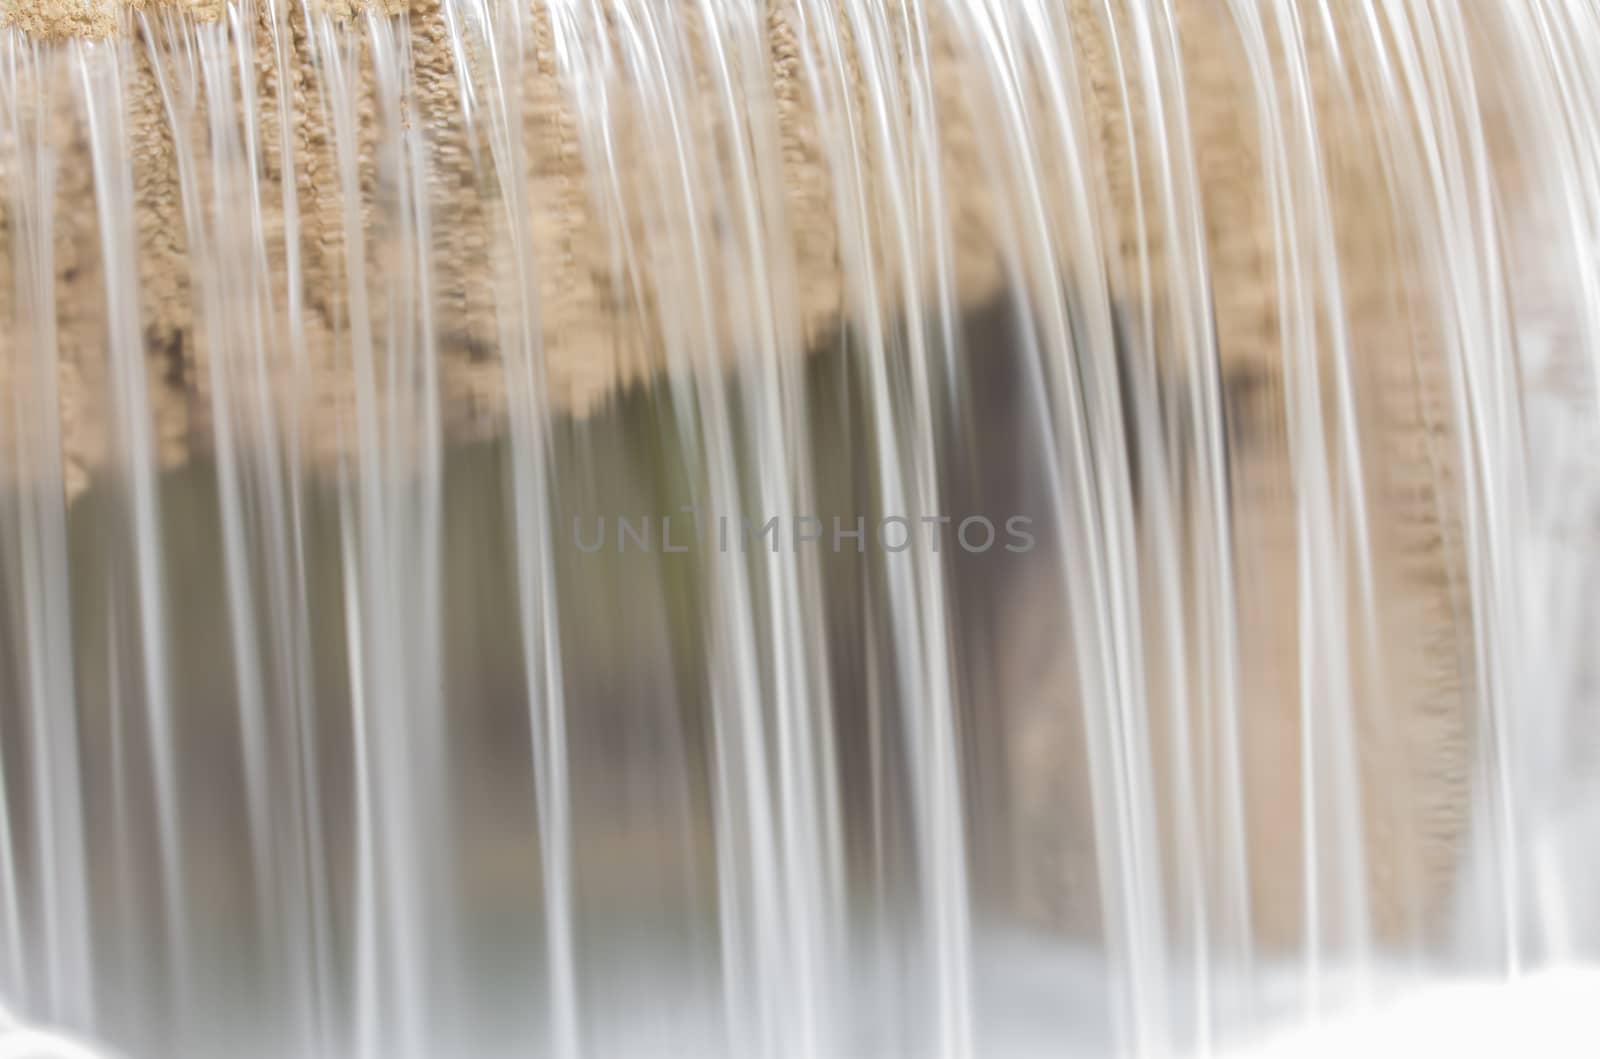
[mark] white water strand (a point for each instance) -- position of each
(758, 974)
(1555, 336)
(61, 969)
(279, 485)
(391, 497)
(498, 36)
(761, 276)
(1118, 761)
(217, 274)
(1327, 712)
(1464, 259)
(99, 67)
(916, 587)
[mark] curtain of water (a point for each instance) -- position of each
(1261, 336)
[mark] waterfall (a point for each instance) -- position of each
(795, 529)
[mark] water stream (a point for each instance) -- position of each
(798, 529)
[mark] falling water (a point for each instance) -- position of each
(810, 528)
